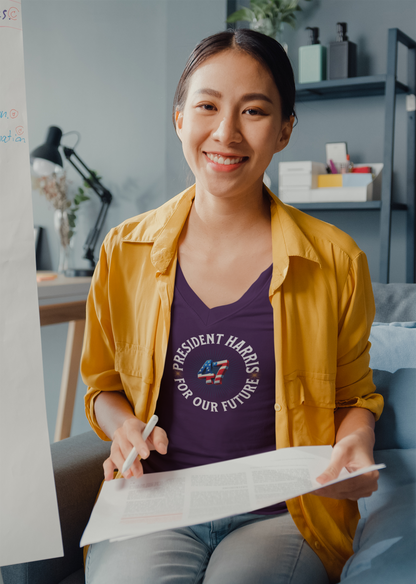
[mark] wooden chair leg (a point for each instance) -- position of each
(69, 379)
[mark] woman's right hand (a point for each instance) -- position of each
(129, 434)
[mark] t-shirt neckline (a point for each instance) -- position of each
(213, 315)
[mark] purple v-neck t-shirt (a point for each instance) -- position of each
(217, 394)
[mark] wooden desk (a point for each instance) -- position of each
(64, 300)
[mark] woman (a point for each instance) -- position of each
(244, 324)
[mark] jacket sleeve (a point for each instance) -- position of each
(354, 381)
(98, 354)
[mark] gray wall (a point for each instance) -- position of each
(108, 70)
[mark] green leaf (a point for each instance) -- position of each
(243, 14)
(80, 198)
(259, 4)
(289, 19)
(71, 220)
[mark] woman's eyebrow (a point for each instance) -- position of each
(208, 91)
(246, 97)
(254, 96)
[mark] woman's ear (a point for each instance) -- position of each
(179, 122)
(284, 134)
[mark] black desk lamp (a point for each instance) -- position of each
(46, 160)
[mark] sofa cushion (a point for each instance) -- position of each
(385, 541)
(393, 360)
(393, 346)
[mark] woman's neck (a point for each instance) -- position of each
(230, 216)
(225, 245)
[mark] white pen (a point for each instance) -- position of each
(133, 454)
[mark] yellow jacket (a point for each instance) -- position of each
(323, 309)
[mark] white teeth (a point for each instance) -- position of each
(220, 160)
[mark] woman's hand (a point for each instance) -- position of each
(354, 450)
(116, 419)
(127, 436)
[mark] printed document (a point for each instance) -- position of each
(155, 502)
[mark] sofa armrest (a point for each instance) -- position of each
(385, 540)
(77, 465)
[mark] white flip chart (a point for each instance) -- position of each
(29, 519)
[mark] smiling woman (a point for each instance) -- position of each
(231, 125)
(241, 323)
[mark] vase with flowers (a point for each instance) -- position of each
(55, 188)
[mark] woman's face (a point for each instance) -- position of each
(231, 124)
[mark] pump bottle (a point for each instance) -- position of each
(312, 59)
(342, 58)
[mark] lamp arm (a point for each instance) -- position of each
(91, 180)
(92, 238)
(105, 196)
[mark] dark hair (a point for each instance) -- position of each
(263, 48)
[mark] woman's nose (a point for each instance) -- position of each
(227, 131)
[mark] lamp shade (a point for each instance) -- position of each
(46, 159)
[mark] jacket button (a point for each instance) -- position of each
(277, 407)
(317, 545)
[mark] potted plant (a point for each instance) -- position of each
(268, 16)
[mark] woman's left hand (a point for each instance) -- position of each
(353, 451)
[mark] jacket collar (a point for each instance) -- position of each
(163, 226)
(288, 240)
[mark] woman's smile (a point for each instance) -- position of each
(224, 162)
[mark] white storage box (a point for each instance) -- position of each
(308, 180)
(370, 192)
(296, 179)
(302, 167)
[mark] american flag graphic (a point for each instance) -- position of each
(206, 372)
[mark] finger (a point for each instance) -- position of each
(354, 489)
(120, 449)
(136, 469)
(134, 438)
(109, 468)
(158, 440)
(339, 459)
(330, 473)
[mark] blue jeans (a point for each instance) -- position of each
(243, 549)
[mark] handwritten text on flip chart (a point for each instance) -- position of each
(10, 16)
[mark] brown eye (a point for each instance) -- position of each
(254, 112)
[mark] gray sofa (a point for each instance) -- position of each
(384, 545)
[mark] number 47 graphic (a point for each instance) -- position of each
(207, 373)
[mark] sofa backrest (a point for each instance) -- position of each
(393, 360)
(395, 302)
